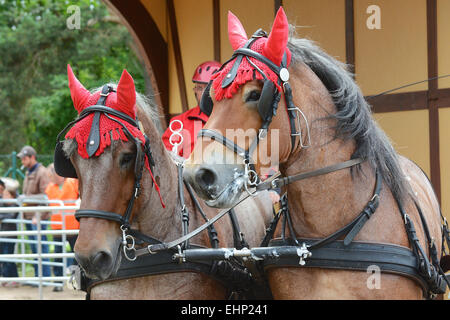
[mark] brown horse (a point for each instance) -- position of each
(106, 183)
(333, 124)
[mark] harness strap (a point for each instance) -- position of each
(184, 209)
(163, 263)
(352, 229)
(167, 245)
(108, 110)
(436, 282)
(213, 135)
(281, 182)
(112, 216)
(238, 236)
(356, 256)
(94, 134)
(211, 230)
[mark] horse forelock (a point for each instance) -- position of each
(353, 117)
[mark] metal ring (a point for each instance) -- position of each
(172, 122)
(126, 256)
(175, 133)
(132, 243)
(252, 174)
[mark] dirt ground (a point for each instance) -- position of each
(30, 293)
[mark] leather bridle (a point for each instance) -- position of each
(65, 168)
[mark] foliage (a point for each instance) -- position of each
(36, 45)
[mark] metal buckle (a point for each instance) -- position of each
(126, 246)
(405, 216)
(274, 183)
(303, 253)
(251, 178)
(74, 282)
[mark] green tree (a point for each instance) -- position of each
(35, 47)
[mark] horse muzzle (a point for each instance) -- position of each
(220, 185)
(100, 264)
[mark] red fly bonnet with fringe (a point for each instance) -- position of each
(123, 101)
(273, 48)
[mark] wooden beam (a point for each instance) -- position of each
(433, 96)
(407, 101)
(443, 98)
(177, 54)
(216, 30)
(151, 45)
(276, 5)
(350, 34)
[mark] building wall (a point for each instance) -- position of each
(322, 21)
(397, 53)
(443, 9)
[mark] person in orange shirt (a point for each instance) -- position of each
(64, 189)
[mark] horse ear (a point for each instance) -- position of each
(278, 38)
(80, 95)
(126, 93)
(236, 33)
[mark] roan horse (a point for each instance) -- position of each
(333, 139)
(107, 180)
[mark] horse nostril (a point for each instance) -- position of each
(102, 260)
(82, 260)
(205, 177)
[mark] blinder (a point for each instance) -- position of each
(63, 166)
(268, 101)
(206, 103)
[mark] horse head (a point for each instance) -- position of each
(106, 151)
(245, 135)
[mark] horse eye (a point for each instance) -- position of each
(126, 159)
(253, 96)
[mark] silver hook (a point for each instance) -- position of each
(300, 128)
(127, 247)
(251, 178)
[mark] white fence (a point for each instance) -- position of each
(19, 238)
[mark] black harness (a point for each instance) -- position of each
(223, 264)
(328, 252)
(156, 257)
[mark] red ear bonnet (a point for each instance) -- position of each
(276, 43)
(236, 33)
(126, 95)
(274, 47)
(80, 95)
(124, 100)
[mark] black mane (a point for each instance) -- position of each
(354, 116)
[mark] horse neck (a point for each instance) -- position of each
(321, 205)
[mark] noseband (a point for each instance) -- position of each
(64, 167)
